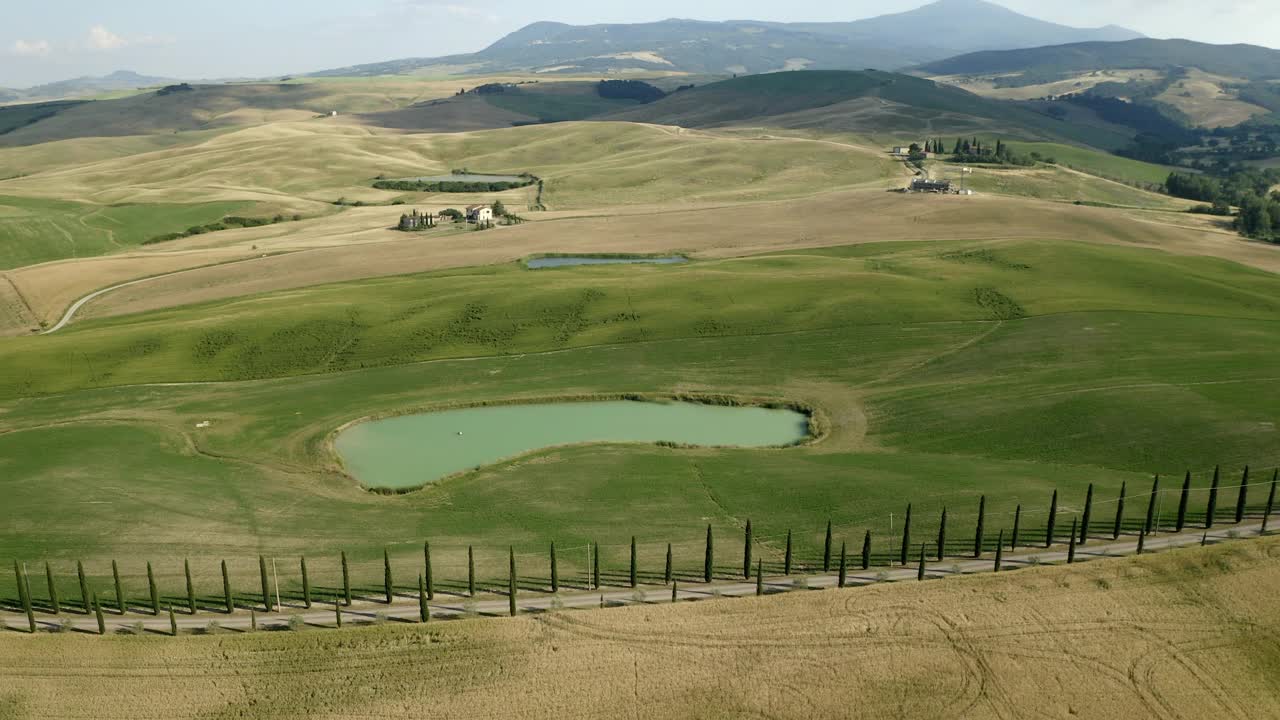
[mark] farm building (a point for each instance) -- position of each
(930, 186)
(479, 214)
(417, 221)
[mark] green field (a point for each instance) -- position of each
(1098, 163)
(38, 230)
(946, 370)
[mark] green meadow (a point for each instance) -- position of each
(944, 372)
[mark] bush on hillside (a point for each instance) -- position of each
(629, 90)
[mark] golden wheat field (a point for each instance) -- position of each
(1184, 634)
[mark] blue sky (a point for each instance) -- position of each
(55, 39)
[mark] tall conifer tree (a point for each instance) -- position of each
(1087, 516)
(1119, 523)
(980, 534)
(1211, 512)
(709, 558)
(1183, 501)
(54, 605)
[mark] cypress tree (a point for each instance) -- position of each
(786, 561)
(1017, 526)
(511, 585)
(746, 551)
(97, 612)
(979, 534)
(1271, 501)
(84, 587)
(1243, 498)
(253, 620)
(826, 550)
(346, 582)
(999, 551)
(844, 565)
(24, 595)
(709, 558)
(155, 592)
(227, 599)
(1183, 501)
(1211, 512)
(1071, 548)
(760, 578)
(633, 562)
(906, 535)
(266, 587)
(942, 534)
(173, 622)
(191, 588)
(555, 571)
(666, 576)
(1087, 516)
(675, 590)
(471, 571)
(306, 582)
(426, 559)
(386, 575)
(115, 576)
(337, 611)
(1053, 520)
(595, 567)
(866, 551)
(424, 613)
(1150, 525)
(1115, 530)
(54, 605)
(1142, 540)
(920, 572)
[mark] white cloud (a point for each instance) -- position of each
(101, 38)
(30, 48)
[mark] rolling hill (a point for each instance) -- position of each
(939, 30)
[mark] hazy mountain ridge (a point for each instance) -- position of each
(84, 86)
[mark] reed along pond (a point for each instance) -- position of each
(555, 262)
(415, 450)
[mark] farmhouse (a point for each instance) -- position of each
(931, 186)
(479, 214)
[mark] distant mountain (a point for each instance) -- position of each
(933, 32)
(82, 86)
(1244, 61)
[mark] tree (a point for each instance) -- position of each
(337, 612)
(97, 613)
(1211, 512)
(54, 605)
(866, 551)
(844, 565)
(555, 572)
(424, 613)
(471, 571)
(786, 559)
(959, 148)
(1119, 523)
(906, 535)
(191, 588)
(675, 591)
(1271, 501)
(84, 587)
(386, 575)
(1053, 519)
(226, 590)
(1142, 540)
(999, 551)
(1071, 548)
(155, 592)
(511, 584)
(666, 575)
(978, 536)
(266, 587)
(1017, 525)
(595, 567)
(942, 534)
(346, 581)
(633, 579)
(746, 550)
(499, 210)
(1149, 525)
(306, 582)
(24, 595)
(826, 550)
(709, 557)
(920, 572)
(115, 576)
(1086, 516)
(1243, 497)
(1183, 501)
(426, 558)
(173, 622)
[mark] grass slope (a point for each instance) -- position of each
(1188, 632)
(1008, 370)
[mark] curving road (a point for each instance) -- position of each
(405, 608)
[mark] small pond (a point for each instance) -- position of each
(555, 262)
(414, 450)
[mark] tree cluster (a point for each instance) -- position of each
(629, 90)
(225, 223)
(451, 186)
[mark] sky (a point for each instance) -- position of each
(54, 40)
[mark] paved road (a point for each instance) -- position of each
(449, 606)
